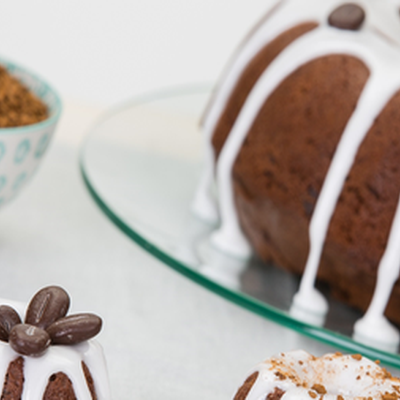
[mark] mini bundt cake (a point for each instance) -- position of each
(49, 356)
(303, 136)
(299, 375)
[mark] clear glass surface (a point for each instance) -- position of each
(141, 163)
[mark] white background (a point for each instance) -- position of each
(104, 52)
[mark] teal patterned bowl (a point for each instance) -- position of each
(22, 148)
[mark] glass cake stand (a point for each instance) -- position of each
(141, 163)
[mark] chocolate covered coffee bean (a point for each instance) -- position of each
(46, 323)
(47, 306)
(8, 319)
(74, 328)
(29, 340)
(348, 17)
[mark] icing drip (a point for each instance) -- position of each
(377, 44)
(67, 359)
(374, 327)
(204, 203)
(302, 376)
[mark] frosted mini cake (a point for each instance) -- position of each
(49, 355)
(299, 375)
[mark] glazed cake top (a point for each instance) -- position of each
(299, 375)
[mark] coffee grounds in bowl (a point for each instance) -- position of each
(18, 105)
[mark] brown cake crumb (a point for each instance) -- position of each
(59, 387)
(390, 396)
(246, 387)
(312, 394)
(276, 394)
(396, 388)
(280, 375)
(340, 397)
(320, 389)
(14, 380)
(386, 373)
(18, 105)
(357, 357)
(89, 380)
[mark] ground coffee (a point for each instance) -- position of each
(18, 105)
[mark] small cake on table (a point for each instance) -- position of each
(48, 355)
(300, 375)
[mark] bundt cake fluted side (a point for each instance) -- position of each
(249, 78)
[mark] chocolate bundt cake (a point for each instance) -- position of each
(304, 142)
(49, 356)
(299, 375)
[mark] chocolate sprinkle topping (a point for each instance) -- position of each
(348, 17)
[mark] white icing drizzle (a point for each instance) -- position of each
(204, 203)
(376, 44)
(312, 45)
(373, 326)
(296, 373)
(389, 267)
(374, 97)
(66, 359)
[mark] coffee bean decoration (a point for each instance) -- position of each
(47, 306)
(29, 340)
(74, 328)
(46, 323)
(8, 319)
(347, 16)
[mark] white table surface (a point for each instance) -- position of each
(163, 335)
